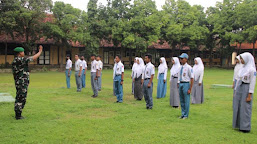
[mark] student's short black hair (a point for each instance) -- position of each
(92, 55)
(77, 55)
(99, 56)
(118, 56)
(149, 56)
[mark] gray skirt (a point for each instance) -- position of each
(138, 90)
(242, 110)
(197, 93)
(174, 94)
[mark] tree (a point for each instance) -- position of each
(8, 10)
(186, 25)
(30, 19)
(64, 28)
(246, 18)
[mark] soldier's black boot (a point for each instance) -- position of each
(18, 116)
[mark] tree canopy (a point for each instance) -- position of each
(133, 24)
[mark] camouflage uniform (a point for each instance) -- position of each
(21, 77)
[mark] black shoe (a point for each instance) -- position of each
(78, 90)
(19, 118)
(147, 107)
(181, 117)
(175, 107)
(150, 108)
(99, 90)
(93, 96)
(244, 131)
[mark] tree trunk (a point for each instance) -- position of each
(61, 66)
(130, 57)
(210, 58)
(239, 49)
(5, 54)
(254, 48)
(172, 50)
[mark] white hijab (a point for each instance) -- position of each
(249, 64)
(139, 68)
(163, 66)
(175, 67)
(133, 67)
(237, 67)
(198, 69)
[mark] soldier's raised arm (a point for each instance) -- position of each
(35, 57)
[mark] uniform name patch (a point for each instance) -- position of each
(254, 73)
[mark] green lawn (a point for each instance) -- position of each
(55, 114)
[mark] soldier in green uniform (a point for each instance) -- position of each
(20, 70)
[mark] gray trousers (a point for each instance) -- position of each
(148, 93)
(78, 80)
(242, 110)
(94, 83)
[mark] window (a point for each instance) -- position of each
(44, 58)
(127, 54)
(106, 58)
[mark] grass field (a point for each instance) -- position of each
(55, 114)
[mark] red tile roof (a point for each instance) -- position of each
(245, 45)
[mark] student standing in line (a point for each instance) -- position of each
(238, 66)
(132, 74)
(94, 75)
(242, 105)
(68, 71)
(162, 76)
(197, 90)
(78, 72)
(100, 63)
(113, 88)
(186, 79)
(147, 81)
(118, 79)
(84, 70)
(138, 71)
(174, 95)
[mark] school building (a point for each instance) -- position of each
(53, 55)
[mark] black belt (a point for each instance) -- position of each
(183, 82)
(117, 75)
(174, 77)
(244, 83)
(161, 73)
(147, 78)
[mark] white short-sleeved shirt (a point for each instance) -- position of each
(149, 71)
(94, 66)
(78, 64)
(68, 64)
(251, 79)
(186, 74)
(84, 64)
(118, 69)
(100, 64)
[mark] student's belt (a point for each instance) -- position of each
(184, 82)
(147, 78)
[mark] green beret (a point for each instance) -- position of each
(19, 49)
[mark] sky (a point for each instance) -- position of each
(82, 4)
